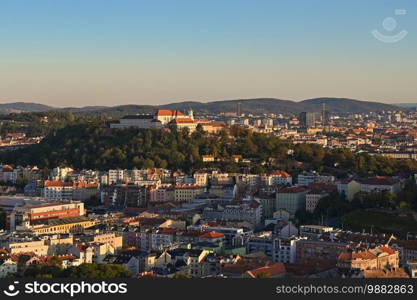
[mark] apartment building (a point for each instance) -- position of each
(280, 177)
(116, 176)
(313, 198)
(307, 178)
(187, 193)
(278, 249)
(382, 257)
(291, 199)
(349, 188)
(380, 184)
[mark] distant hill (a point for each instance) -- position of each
(17, 107)
(343, 105)
(407, 105)
(254, 106)
(262, 105)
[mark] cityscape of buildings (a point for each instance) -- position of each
(157, 222)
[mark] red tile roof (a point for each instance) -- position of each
(7, 168)
(292, 190)
(366, 254)
(271, 270)
(379, 181)
(212, 235)
(168, 112)
(56, 183)
(281, 174)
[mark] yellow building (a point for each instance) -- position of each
(68, 225)
(208, 158)
(187, 193)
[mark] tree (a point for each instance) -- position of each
(53, 269)
(263, 275)
(44, 271)
(90, 145)
(96, 271)
(182, 276)
(3, 218)
(94, 200)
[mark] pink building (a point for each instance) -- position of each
(157, 195)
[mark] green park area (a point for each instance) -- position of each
(379, 222)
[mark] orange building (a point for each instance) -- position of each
(25, 217)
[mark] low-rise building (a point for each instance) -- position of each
(380, 184)
(378, 258)
(349, 188)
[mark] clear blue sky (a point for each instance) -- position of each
(109, 52)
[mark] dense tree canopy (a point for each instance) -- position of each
(41, 123)
(2, 219)
(83, 271)
(94, 146)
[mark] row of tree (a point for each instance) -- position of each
(93, 146)
(54, 270)
(335, 206)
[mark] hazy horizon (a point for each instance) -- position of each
(106, 53)
(207, 101)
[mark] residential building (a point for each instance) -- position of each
(187, 193)
(314, 231)
(349, 188)
(377, 258)
(291, 199)
(380, 184)
(281, 177)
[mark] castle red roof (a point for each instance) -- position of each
(168, 112)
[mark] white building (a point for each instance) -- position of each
(281, 177)
(37, 247)
(59, 173)
(141, 121)
(284, 250)
(250, 212)
(278, 249)
(314, 231)
(115, 176)
(58, 190)
(307, 178)
(313, 198)
(349, 188)
(380, 184)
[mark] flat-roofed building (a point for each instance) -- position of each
(314, 231)
(141, 121)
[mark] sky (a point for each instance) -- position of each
(112, 52)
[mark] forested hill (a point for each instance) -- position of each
(257, 106)
(271, 105)
(17, 107)
(95, 147)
